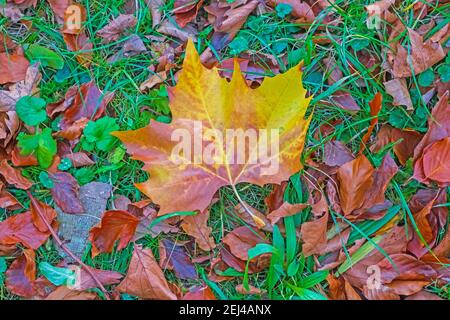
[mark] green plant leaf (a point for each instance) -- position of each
(42, 145)
(31, 110)
(238, 45)
(314, 279)
(444, 72)
(57, 276)
(47, 57)
(283, 9)
(426, 78)
(306, 294)
(45, 180)
(98, 133)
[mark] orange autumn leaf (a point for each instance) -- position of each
(41, 210)
(14, 176)
(20, 228)
(314, 236)
(200, 293)
(145, 278)
(115, 226)
(202, 98)
(375, 108)
(285, 210)
(355, 178)
(242, 239)
(435, 163)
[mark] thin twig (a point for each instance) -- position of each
(70, 253)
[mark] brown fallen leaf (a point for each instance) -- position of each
(399, 91)
(81, 46)
(381, 293)
(115, 226)
(340, 289)
(301, 10)
(155, 7)
(20, 228)
(186, 10)
(251, 290)
(276, 198)
(423, 56)
(434, 164)
(87, 101)
(355, 178)
(26, 87)
(200, 293)
(64, 293)
(375, 108)
(65, 192)
(229, 18)
(38, 210)
(197, 227)
(241, 239)
(286, 210)
(407, 267)
(79, 159)
(14, 176)
(13, 68)
(336, 154)
(7, 200)
(184, 34)
(174, 256)
(438, 125)
(424, 295)
(407, 140)
(145, 278)
(257, 219)
(21, 274)
(153, 80)
(314, 236)
(59, 7)
(114, 29)
(407, 287)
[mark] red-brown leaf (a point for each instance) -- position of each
(240, 240)
(314, 236)
(145, 278)
(21, 229)
(13, 68)
(115, 226)
(197, 226)
(21, 275)
(41, 210)
(65, 192)
(14, 176)
(355, 178)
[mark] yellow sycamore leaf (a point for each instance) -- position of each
(222, 133)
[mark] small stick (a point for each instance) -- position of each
(70, 253)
